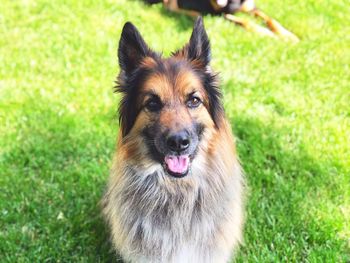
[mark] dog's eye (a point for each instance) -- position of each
(153, 104)
(193, 102)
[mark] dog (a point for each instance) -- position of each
(227, 8)
(176, 187)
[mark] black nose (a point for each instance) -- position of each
(178, 142)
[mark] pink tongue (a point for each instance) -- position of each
(177, 164)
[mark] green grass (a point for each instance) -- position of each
(289, 106)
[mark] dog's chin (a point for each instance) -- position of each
(177, 175)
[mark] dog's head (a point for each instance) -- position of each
(170, 102)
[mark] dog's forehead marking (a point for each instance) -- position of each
(172, 79)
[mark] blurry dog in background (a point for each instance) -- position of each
(227, 8)
(175, 192)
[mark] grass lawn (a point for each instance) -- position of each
(289, 106)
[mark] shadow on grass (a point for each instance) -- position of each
(282, 186)
(104, 248)
(55, 175)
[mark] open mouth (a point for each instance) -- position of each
(177, 166)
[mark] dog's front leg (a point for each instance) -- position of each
(250, 26)
(275, 26)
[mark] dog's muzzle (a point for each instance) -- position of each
(175, 150)
(178, 149)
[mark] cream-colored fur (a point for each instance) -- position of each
(157, 218)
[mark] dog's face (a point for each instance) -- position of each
(167, 102)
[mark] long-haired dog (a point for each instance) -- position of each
(175, 192)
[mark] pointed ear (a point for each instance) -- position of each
(199, 46)
(132, 48)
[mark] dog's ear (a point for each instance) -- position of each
(132, 48)
(197, 51)
(199, 47)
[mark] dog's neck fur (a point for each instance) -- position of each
(179, 212)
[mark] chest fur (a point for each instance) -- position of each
(160, 216)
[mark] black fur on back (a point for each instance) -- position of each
(151, 2)
(205, 6)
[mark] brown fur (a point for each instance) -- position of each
(158, 218)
